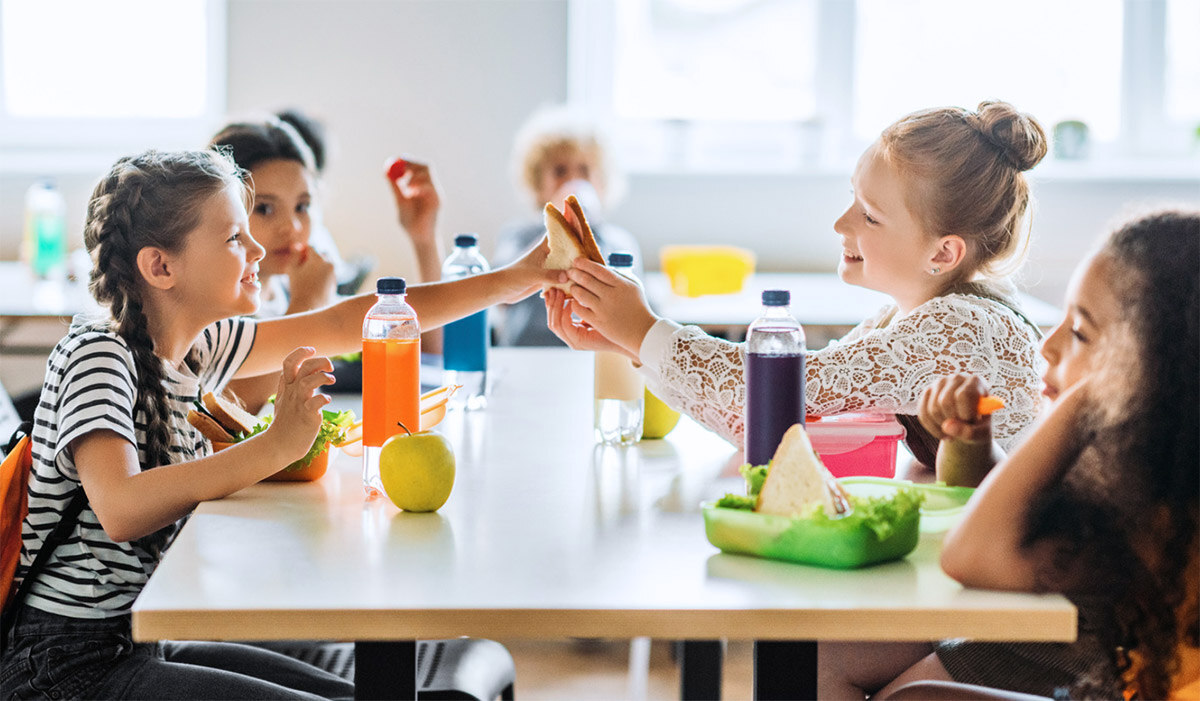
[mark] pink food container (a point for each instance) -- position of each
(857, 444)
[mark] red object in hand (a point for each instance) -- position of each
(397, 169)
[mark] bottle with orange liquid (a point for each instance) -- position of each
(391, 384)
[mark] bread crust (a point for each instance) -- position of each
(232, 417)
(587, 240)
(208, 427)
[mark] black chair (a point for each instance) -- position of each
(467, 669)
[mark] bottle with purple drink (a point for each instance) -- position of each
(774, 377)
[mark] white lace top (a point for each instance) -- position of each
(881, 366)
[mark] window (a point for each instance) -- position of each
(81, 77)
(786, 86)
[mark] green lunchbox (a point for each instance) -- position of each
(889, 517)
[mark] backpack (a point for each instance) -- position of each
(14, 498)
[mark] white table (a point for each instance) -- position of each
(821, 302)
(546, 535)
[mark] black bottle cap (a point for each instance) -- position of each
(465, 240)
(776, 298)
(390, 286)
(620, 259)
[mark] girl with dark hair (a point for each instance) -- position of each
(1098, 503)
(178, 270)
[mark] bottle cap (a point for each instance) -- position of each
(465, 240)
(620, 260)
(776, 298)
(390, 286)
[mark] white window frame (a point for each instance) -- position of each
(68, 144)
(1147, 145)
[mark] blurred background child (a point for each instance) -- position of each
(937, 221)
(557, 153)
(1098, 503)
(295, 276)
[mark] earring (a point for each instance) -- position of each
(934, 271)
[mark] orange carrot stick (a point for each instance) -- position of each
(989, 404)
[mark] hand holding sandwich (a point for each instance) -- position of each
(612, 308)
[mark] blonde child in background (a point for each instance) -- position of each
(295, 276)
(1098, 502)
(936, 220)
(177, 267)
(558, 153)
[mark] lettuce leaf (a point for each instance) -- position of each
(334, 425)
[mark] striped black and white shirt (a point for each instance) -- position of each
(91, 384)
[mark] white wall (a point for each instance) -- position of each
(451, 80)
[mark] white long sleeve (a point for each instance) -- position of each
(881, 366)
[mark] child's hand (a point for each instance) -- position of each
(575, 335)
(612, 304)
(417, 201)
(526, 275)
(312, 282)
(298, 403)
(949, 408)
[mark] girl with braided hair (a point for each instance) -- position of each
(178, 270)
(936, 222)
(1098, 502)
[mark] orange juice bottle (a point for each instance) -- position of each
(391, 375)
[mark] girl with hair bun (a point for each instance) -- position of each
(177, 268)
(937, 220)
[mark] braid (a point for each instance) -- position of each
(152, 199)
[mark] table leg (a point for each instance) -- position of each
(785, 669)
(700, 669)
(385, 670)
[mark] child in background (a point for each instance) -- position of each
(1098, 502)
(295, 276)
(937, 218)
(178, 269)
(555, 154)
(417, 203)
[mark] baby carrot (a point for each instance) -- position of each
(989, 404)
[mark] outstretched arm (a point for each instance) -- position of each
(337, 329)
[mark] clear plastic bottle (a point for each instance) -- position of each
(44, 244)
(465, 342)
(619, 388)
(775, 354)
(391, 375)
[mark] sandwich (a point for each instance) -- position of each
(797, 480)
(223, 422)
(569, 237)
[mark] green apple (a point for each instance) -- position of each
(657, 418)
(417, 470)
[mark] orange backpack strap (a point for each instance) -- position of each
(15, 476)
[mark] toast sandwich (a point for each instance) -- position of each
(569, 237)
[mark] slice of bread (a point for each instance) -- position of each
(232, 417)
(208, 427)
(796, 478)
(570, 237)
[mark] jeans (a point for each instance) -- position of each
(57, 657)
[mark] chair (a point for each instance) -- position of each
(954, 691)
(467, 669)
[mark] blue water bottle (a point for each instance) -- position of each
(465, 342)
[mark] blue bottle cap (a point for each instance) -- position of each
(776, 298)
(390, 286)
(465, 240)
(620, 259)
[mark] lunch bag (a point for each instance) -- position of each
(14, 497)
